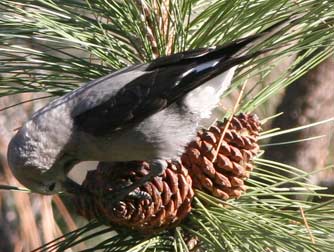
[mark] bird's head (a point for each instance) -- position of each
(39, 184)
(37, 166)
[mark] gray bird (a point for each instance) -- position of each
(146, 111)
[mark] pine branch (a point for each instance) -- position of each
(54, 46)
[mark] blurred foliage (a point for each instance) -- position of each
(54, 46)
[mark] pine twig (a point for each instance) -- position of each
(229, 121)
(307, 225)
(146, 18)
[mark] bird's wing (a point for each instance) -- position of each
(154, 86)
(104, 110)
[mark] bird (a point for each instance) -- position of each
(147, 111)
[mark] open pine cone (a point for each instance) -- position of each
(171, 196)
(221, 174)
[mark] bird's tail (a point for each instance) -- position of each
(210, 62)
(242, 47)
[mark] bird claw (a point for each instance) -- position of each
(140, 196)
(123, 194)
(131, 190)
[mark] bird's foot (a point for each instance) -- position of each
(140, 195)
(132, 190)
(123, 195)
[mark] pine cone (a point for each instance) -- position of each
(171, 196)
(172, 192)
(224, 176)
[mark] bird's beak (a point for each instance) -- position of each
(71, 186)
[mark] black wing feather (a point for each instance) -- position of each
(160, 85)
(131, 104)
(163, 83)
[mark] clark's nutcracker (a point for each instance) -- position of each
(147, 112)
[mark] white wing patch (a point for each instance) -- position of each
(78, 172)
(206, 97)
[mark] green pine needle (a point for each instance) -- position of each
(54, 46)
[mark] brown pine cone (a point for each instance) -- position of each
(224, 176)
(171, 196)
(172, 192)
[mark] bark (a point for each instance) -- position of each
(308, 100)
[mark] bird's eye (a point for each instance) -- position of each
(52, 186)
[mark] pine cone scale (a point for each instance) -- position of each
(217, 170)
(224, 176)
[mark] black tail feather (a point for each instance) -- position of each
(237, 48)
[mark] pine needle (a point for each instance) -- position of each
(307, 225)
(14, 188)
